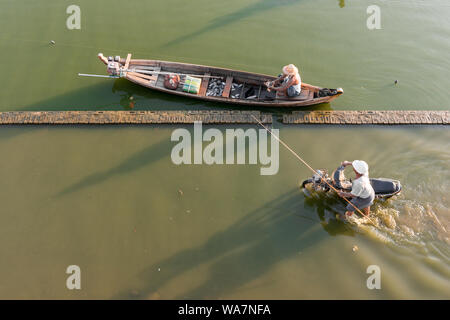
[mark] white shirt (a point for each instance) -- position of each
(361, 187)
(298, 87)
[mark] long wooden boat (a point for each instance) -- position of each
(217, 84)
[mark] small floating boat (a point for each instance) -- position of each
(211, 83)
(384, 188)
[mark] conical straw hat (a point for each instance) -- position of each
(290, 69)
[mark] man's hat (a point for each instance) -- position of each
(290, 70)
(361, 167)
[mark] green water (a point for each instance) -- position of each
(110, 200)
(331, 45)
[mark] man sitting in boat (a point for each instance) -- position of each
(362, 190)
(287, 84)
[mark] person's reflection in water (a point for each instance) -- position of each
(127, 100)
(341, 3)
(327, 208)
(131, 105)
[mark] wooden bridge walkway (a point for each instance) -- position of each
(224, 117)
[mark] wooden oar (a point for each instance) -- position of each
(97, 76)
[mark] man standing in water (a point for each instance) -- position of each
(362, 191)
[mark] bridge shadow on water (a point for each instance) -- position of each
(233, 17)
(115, 95)
(136, 161)
(241, 253)
(11, 131)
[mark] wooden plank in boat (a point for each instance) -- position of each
(136, 79)
(151, 78)
(127, 62)
(154, 77)
(204, 85)
(304, 95)
(140, 75)
(226, 90)
(160, 81)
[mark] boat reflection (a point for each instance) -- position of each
(327, 206)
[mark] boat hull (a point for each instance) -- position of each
(311, 95)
